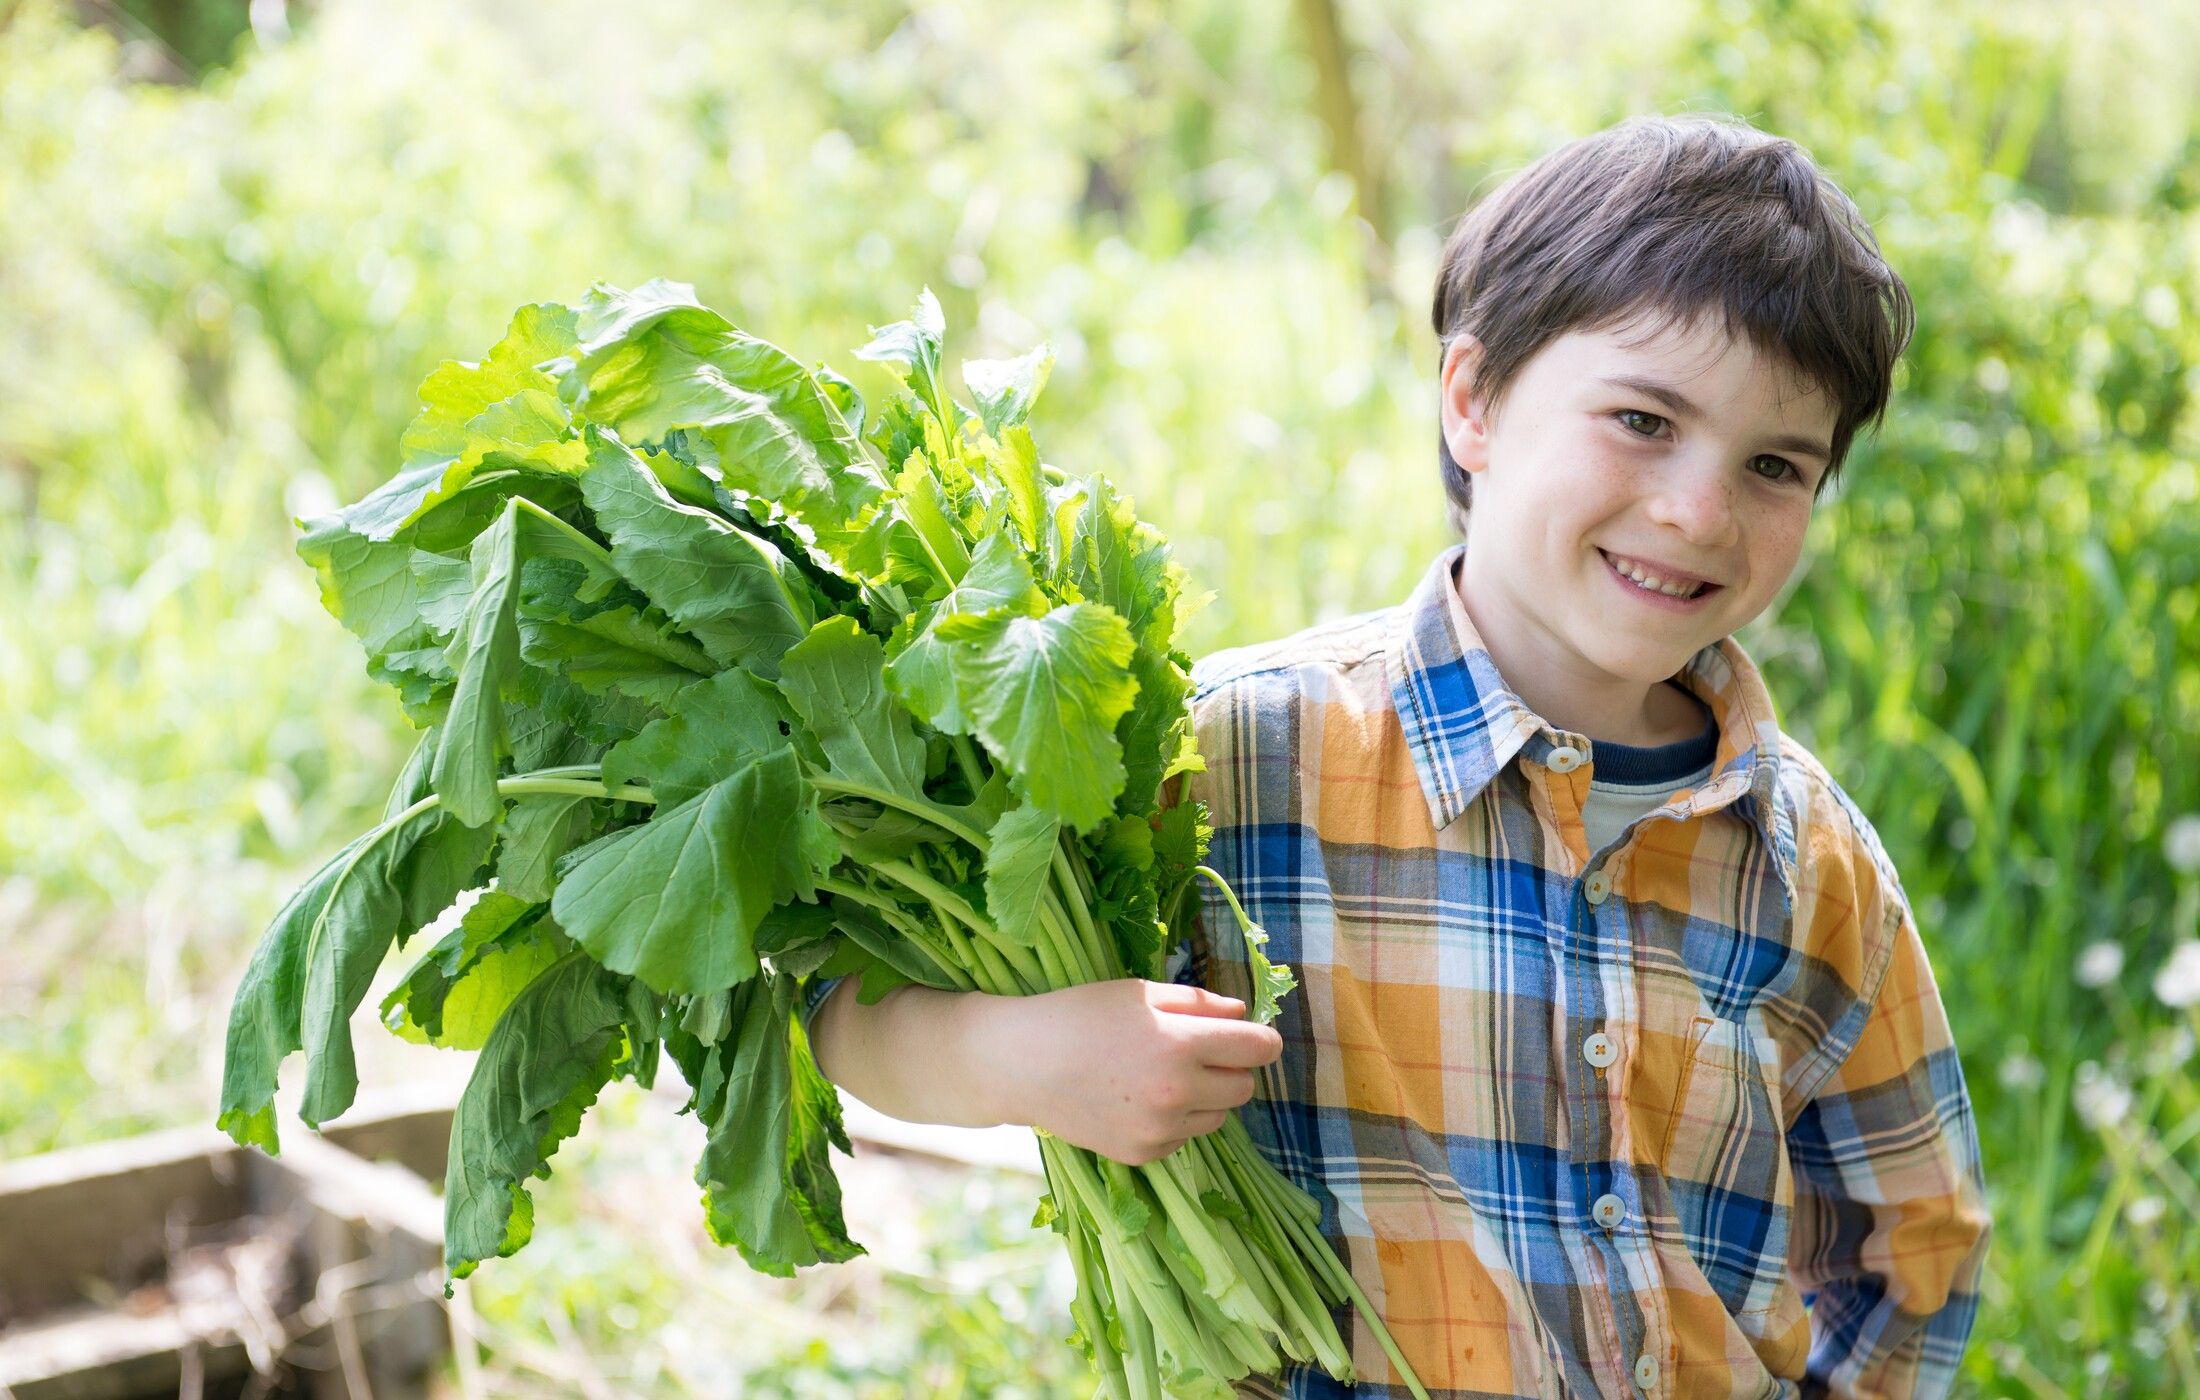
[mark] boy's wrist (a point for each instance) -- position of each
(980, 1034)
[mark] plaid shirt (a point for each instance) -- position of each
(1677, 1117)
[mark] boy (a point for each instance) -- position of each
(1615, 1046)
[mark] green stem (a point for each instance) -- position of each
(593, 551)
(932, 812)
(1318, 1251)
(1082, 873)
(1090, 1281)
(1067, 947)
(1050, 963)
(1238, 1296)
(1101, 950)
(1007, 979)
(966, 758)
(1155, 1303)
(949, 966)
(1275, 1252)
(917, 882)
(1227, 893)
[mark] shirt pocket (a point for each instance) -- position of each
(1725, 1164)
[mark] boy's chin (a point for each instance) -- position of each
(1644, 664)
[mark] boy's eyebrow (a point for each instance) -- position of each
(1677, 401)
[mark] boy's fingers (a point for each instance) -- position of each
(1193, 1001)
(1238, 1044)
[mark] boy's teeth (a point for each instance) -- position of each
(1653, 582)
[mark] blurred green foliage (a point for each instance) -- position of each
(216, 300)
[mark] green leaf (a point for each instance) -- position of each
(717, 728)
(1014, 460)
(931, 516)
(1045, 693)
(566, 717)
(503, 407)
(676, 900)
(543, 1064)
(1117, 559)
(455, 993)
(483, 652)
(264, 1015)
(1156, 730)
(537, 830)
(766, 1170)
(371, 586)
(659, 363)
(921, 669)
(1019, 855)
(836, 680)
(614, 643)
(1128, 1211)
(1005, 389)
(733, 591)
(1271, 982)
(396, 883)
(1180, 837)
(313, 965)
(914, 344)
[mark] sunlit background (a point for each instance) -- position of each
(233, 242)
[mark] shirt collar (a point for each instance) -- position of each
(1463, 723)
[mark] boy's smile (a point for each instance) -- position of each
(1640, 493)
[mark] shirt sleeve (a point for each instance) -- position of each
(813, 996)
(1890, 1224)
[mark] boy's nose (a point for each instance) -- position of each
(1698, 504)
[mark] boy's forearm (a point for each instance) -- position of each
(916, 1054)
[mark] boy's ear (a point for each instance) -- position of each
(1466, 432)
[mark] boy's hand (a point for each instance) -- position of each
(1130, 1069)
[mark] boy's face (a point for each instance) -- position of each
(1579, 480)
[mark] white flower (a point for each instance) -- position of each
(2167, 1054)
(2099, 964)
(2178, 982)
(2144, 1211)
(2182, 844)
(2101, 1099)
(2021, 1071)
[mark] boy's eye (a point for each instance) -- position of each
(1782, 467)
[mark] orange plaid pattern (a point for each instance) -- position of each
(1677, 1117)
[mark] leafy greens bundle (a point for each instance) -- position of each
(727, 685)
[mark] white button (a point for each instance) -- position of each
(1597, 886)
(1599, 1050)
(1609, 1210)
(1564, 759)
(1646, 1370)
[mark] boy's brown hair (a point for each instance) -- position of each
(1676, 217)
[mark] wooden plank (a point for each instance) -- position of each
(102, 1212)
(88, 1353)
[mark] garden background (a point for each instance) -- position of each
(232, 244)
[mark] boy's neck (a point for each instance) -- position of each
(1565, 696)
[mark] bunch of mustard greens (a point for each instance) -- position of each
(728, 684)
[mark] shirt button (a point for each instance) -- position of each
(1646, 1371)
(1564, 759)
(1609, 1210)
(1599, 1050)
(1597, 887)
